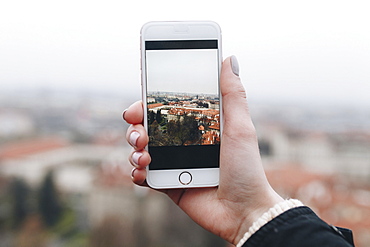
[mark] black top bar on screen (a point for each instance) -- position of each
(181, 44)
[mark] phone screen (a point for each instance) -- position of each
(183, 103)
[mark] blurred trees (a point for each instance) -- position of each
(40, 216)
(31, 212)
(49, 204)
(37, 216)
(19, 193)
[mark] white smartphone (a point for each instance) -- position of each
(181, 63)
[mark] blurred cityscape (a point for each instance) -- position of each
(65, 178)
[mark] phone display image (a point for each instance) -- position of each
(182, 103)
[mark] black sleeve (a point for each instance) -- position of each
(299, 227)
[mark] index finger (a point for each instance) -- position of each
(134, 114)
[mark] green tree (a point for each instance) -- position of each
(189, 131)
(154, 134)
(173, 131)
(151, 117)
(158, 117)
(183, 131)
(49, 203)
(20, 206)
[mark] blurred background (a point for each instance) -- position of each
(69, 68)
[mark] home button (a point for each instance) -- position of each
(185, 178)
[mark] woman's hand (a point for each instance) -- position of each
(244, 193)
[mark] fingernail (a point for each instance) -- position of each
(133, 173)
(234, 65)
(135, 158)
(123, 114)
(133, 138)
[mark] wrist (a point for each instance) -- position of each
(267, 216)
(253, 214)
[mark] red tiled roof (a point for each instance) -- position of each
(292, 177)
(154, 105)
(210, 137)
(337, 203)
(27, 147)
(215, 126)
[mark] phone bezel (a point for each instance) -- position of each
(193, 30)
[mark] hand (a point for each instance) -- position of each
(244, 193)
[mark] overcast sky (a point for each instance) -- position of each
(310, 51)
(166, 71)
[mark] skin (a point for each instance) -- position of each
(244, 193)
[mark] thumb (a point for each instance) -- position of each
(240, 161)
(234, 103)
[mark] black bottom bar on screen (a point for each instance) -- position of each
(184, 157)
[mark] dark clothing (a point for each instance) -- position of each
(299, 227)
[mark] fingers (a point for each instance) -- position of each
(138, 176)
(137, 137)
(134, 114)
(140, 159)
